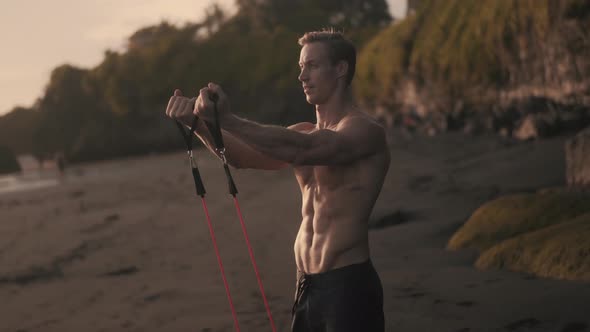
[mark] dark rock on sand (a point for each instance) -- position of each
(395, 218)
(122, 271)
(523, 323)
(34, 274)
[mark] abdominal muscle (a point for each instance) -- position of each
(342, 243)
(336, 204)
(330, 239)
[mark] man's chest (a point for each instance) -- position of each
(326, 177)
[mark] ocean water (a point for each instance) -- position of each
(29, 181)
(35, 177)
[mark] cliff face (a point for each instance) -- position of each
(481, 64)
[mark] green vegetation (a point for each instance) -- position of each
(117, 108)
(458, 49)
(16, 129)
(451, 52)
(560, 251)
(513, 215)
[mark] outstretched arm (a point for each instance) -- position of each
(356, 137)
(237, 153)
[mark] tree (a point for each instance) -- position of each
(67, 103)
(16, 129)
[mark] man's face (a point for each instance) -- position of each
(318, 75)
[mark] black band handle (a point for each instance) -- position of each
(199, 186)
(215, 130)
(231, 185)
(188, 137)
(188, 140)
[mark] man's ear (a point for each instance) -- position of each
(341, 68)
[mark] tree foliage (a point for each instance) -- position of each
(117, 108)
(17, 127)
(459, 48)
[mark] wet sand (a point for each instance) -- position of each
(123, 245)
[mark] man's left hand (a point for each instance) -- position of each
(204, 108)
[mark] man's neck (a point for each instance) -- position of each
(331, 112)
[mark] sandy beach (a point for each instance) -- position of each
(124, 246)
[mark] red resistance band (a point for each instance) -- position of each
(215, 131)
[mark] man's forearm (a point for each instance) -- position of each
(275, 141)
(203, 133)
(237, 153)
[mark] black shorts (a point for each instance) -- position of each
(344, 300)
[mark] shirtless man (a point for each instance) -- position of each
(340, 163)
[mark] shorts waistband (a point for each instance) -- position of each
(328, 278)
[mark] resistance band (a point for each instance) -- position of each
(201, 192)
(215, 131)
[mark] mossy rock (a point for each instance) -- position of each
(8, 161)
(513, 215)
(560, 251)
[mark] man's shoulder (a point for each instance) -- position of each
(302, 127)
(360, 119)
(364, 128)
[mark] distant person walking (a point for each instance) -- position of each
(340, 163)
(60, 163)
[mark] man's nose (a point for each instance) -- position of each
(303, 76)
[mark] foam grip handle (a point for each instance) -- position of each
(233, 190)
(198, 182)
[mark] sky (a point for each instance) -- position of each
(38, 36)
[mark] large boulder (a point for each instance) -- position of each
(560, 251)
(8, 161)
(577, 155)
(543, 234)
(512, 215)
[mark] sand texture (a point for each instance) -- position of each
(124, 246)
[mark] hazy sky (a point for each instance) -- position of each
(38, 35)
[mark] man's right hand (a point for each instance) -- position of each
(181, 108)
